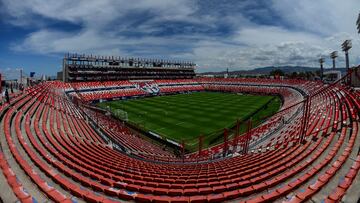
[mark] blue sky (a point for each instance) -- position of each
(215, 34)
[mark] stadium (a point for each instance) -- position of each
(126, 129)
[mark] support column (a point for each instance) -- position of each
(246, 138)
(183, 150)
(248, 135)
(304, 120)
(236, 136)
(225, 146)
(201, 139)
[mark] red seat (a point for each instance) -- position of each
(215, 198)
(198, 199)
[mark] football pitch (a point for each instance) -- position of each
(186, 116)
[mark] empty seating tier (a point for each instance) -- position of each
(51, 149)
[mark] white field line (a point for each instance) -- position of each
(180, 123)
(159, 128)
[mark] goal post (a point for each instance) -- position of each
(121, 114)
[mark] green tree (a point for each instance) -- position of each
(277, 72)
(294, 75)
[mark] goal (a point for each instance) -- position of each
(121, 114)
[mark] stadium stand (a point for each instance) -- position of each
(78, 67)
(55, 149)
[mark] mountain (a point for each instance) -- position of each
(268, 69)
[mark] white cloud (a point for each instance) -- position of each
(265, 46)
(49, 41)
(261, 35)
(321, 16)
(94, 13)
(307, 30)
(318, 28)
(9, 73)
(289, 53)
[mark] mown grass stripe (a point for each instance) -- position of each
(186, 116)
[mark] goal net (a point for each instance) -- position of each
(121, 114)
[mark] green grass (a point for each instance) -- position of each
(186, 116)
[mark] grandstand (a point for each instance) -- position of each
(56, 145)
(78, 67)
(179, 101)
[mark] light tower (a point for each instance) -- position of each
(321, 61)
(346, 46)
(333, 56)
